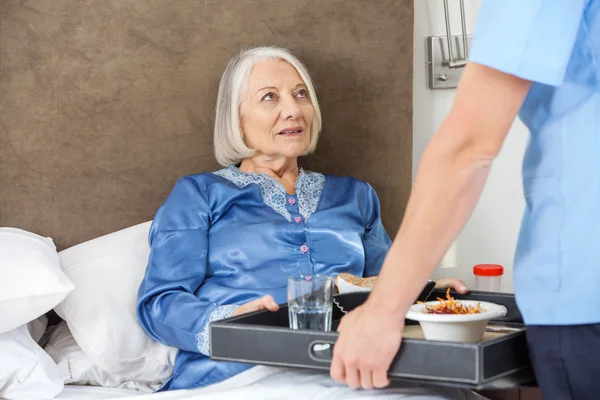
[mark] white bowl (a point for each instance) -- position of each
(455, 327)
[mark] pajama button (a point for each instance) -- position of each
(298, 219)
(292, 201)
(304, 248)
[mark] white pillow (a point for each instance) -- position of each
(100, 312)
(76, 368)
(26, 372)
(37, 328)
(31, 280)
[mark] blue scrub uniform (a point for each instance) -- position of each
(556, 45)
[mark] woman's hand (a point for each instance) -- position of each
(453, 283)
(265, 302)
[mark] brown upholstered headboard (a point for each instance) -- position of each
(104, 104)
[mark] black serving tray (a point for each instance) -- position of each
(497, 363)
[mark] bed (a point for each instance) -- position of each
(106, 104)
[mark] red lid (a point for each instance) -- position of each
(488, 270)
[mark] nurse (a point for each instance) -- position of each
(539, 59)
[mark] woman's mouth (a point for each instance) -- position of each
(291, 132)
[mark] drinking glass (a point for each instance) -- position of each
(310, 302)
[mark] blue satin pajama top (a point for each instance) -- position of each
(225, 238)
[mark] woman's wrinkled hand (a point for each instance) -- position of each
(264, 303)
(452, 283)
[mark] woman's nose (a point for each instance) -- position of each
(290, 108)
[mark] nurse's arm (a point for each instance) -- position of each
(450, 178)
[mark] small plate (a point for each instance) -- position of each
(346, 287)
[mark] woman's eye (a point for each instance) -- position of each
(269, 97)
(302, 93)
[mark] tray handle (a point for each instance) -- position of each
(321, 350)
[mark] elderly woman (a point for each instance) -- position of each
(224, 242)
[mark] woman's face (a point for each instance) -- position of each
(276, 111)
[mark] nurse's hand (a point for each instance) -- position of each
(452, 283)
(264, 303)
(368, 342)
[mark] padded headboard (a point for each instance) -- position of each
(105, 104)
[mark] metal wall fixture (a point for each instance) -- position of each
(447, 55)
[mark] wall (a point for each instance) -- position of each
(491, 233)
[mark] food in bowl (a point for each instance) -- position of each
(457, 326)
(451, 306)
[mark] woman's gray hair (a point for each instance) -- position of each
(230, 148)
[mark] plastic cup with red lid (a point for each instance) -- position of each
(488, 277)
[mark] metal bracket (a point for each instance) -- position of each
(444, 69)
(441, 74)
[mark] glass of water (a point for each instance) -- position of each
(310, 301)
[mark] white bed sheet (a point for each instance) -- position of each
(95, 393)
(268, 383)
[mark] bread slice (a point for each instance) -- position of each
(358, 281)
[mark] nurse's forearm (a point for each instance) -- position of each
(450, 179)
(446, 191)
